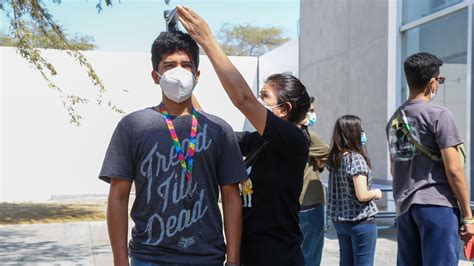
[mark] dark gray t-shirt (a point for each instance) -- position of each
(142, 151)
(416, 178)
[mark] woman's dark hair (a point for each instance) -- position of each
(290, 89)
(170, 42)
(420, 68)
(346, 138)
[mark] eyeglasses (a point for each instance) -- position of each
(440, 80)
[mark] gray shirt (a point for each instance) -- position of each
(142, 151)
(416, 178)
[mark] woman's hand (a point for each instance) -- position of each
(195, 26)
(320, 164)
(378, 194)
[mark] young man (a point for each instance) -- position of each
(177, 158)
(312, 195)
(429, 185)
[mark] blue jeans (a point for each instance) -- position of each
(356, 243)
(312, 227)
(138, 262)
(428, 235)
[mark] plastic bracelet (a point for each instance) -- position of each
(468, 220)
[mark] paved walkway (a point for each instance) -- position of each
(86, 243)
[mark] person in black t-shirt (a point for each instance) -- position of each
(271, 233)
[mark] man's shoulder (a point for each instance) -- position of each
(216, 121)
(434, 114)
(137, 116)
(423, 107)
(425, 110)
(316, 138)
(437, 109)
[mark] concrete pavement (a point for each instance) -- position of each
(82, 243)
(87, 243)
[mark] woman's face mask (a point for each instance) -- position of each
(363, 138)
(177, 84)
(267, 106)
(312, 118)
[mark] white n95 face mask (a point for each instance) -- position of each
(270, 108)
(177, 84)
(433, 94)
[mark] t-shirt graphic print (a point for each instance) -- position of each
(400, 146)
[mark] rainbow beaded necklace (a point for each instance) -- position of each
(186, 166)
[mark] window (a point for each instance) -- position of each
(446, 38)
(415, 9)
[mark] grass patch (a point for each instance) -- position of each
(29, 213)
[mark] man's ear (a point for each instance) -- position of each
(155, 77)
(430, 85)
(433, 82)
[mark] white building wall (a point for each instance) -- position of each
(284, 59)
(1, 119)
(343, 64)
(42, 155)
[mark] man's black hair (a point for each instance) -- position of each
(170, 42)
(420, 68)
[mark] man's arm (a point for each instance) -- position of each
(457, 182)
(117, 219)
(232, 208)
(456, 179)
(318, 149)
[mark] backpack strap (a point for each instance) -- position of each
(400, 119)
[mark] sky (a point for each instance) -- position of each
(132, 25)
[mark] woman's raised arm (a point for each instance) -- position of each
(234, 84)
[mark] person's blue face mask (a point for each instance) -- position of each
(312, 119)
(363, 138)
